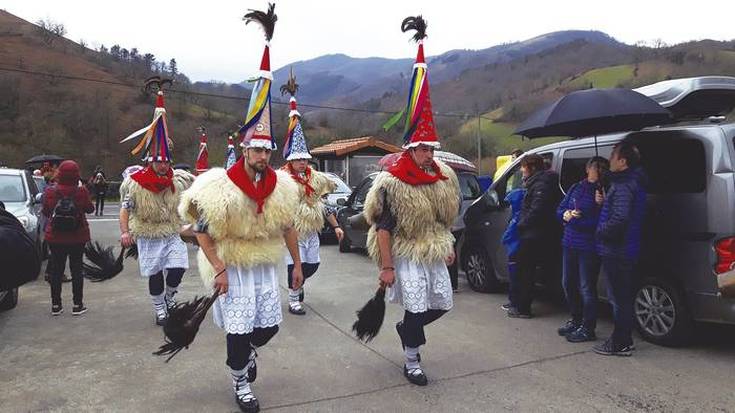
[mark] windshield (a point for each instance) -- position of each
(40, 183)
(469, 186)
(342, 187)
(12, 189)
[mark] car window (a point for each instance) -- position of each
(673, 165)
(31, 184)
(362, 191)
(12, 188)
(469, 186)
(574, 162)
(342, 187)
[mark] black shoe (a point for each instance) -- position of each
(581, 335)
(415, 376)
(515, 313)
(248, 403)
(568, 327)
(506, 306)
(78, 309)
(608, 348)
(56, 310)
(296, 309)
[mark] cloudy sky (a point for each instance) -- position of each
(210, 41)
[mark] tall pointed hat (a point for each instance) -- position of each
(202, 163)
(155, 143)
(256, 132)
(295, 146)
(230, 154)
(420, 128)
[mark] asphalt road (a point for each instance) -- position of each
(477, 359)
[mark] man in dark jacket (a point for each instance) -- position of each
(67, 241)
(538, 229)
(618, 238)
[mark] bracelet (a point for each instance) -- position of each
(388, 268)
(335, 227)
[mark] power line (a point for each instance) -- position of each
(464, 116)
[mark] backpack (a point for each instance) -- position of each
(65, 217)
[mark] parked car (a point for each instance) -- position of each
(689, 225)
(356, 230)
(335, 200)
(18, 193)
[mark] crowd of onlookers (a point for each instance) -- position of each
(599, 224)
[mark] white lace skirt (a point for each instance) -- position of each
(421, 286)
(308, 248)
(157, 254)
(252, 300)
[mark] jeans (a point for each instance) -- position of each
(59, 254)
(413, 326)
(579, 280)
(239, 345)
(99, 205)
(533, 253)
(619, 275)
(513, 281)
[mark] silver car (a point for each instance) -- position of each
(689, 226)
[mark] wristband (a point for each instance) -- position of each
(335, 227)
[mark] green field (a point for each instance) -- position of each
(604, 78)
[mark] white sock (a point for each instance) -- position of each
(171, 291)
(159, 303)
(412, 358)
(293, 296)
(240, 384)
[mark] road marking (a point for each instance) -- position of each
(104, 220)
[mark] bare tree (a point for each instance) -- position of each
(50, 31)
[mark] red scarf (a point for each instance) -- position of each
(258, 193)
(150, 180)
(303, 181)
(407, 171)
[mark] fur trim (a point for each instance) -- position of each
(155, 215)
(242, 237)
(309, 215)
(424, 215)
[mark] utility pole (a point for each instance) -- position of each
(479, 144)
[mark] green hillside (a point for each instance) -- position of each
(603, 78)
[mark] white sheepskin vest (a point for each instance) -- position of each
(424, 216)
(309, 216)
(155, 215)
(241, 235)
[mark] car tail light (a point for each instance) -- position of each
(725, 249)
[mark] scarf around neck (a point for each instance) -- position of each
(305, 181)
(259, 191)
(150, 180)
(406, 170)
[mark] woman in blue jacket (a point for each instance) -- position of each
(580, 214)
(512, 243)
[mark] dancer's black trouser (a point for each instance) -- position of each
(173, 279)
(240, 345)
(413, 326)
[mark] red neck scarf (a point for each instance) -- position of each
(150, 180)
(258, 192)
(407, 171)
(303, 181)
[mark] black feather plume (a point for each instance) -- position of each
(370, 317)
(266, 19)
(104, 265)
(132, 252)
(183, 325)
(290, 87)
(415, 23)
(156, 83)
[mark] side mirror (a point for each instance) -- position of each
(38, 198)
(341, 201)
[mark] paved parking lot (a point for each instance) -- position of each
(476, 358)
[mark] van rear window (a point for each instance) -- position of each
(673, 165)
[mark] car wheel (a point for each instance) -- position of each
(660, 313)
(479, 271)
(345, 245)
(10, 300)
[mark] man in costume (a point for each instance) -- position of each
(311, 211)
(242, 216)
(148, 214)
(411, 207)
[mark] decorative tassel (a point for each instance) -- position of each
(370, 317)
(104, 265)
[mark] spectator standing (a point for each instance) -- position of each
(618, 239)
(67, 230)
(580, 213)
(98, 184)
(512, 244)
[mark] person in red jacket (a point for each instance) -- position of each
(64, 205)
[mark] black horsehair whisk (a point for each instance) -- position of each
(103, 264)
(370, 317)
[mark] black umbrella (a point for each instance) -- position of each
(595, 112)
(184, 166)
(44, 158)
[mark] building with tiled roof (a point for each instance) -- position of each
(352, 159)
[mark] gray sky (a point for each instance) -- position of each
(211, 42)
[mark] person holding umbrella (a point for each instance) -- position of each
(618, 238)
(411, 208)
